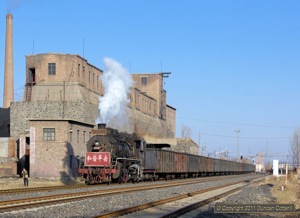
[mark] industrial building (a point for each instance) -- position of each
(48, 129)
(60, 105)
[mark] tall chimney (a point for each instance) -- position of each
(8, 95)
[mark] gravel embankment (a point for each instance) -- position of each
(252, 194)
(94, 206)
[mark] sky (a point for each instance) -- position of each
(234, 64)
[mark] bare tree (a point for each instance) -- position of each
(186, 132)
(295, 147)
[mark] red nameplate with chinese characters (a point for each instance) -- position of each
(97, 159)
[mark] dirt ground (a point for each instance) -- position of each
(17, 182)
(285, 190)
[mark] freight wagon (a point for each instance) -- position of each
(167, 164)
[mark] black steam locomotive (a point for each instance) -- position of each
(114, 156)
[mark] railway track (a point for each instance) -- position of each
(13, 205)
(66, 187)
(39, 189)
(178, 205)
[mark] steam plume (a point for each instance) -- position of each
(117, 83)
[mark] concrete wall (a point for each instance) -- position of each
(7, 147)
(69, 68)
(62, 91)
(142, 102)
(154, 140)
(171, 119)
(3, 147)
(142, 124)
(8, 159)
(153, 88)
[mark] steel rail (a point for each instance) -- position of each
(176, 198)
(58, 187)
(12, 205)
(37, 189)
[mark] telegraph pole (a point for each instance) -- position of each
(237, 131)
(199, 145)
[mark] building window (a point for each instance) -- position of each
(51, 68)
(78, 136)
(83, 136)
(144, 80)
(89, 76)
(78, 70)
(49, 134)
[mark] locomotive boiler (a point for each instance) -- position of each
(112, 156)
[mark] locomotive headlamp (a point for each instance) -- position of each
(97, 143)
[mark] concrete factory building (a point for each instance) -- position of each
(61, 103)
(48, 130)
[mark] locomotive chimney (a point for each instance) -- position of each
(101, 125)
(8, 94)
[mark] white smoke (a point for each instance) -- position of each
(12, 5)
(117, 83)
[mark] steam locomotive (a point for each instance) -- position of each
(114, 156)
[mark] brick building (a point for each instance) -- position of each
(60, 105)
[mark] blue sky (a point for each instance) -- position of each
(234, 64)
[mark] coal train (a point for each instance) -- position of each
(114, 156)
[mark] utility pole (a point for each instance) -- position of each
(267, 151)
(238, 142)
(199, 145)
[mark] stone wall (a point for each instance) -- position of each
(135, 121)
(22, 112)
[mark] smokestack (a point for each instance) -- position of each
(101, 125)
(8, 95)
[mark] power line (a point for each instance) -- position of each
(244, 137)
(241, 124)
